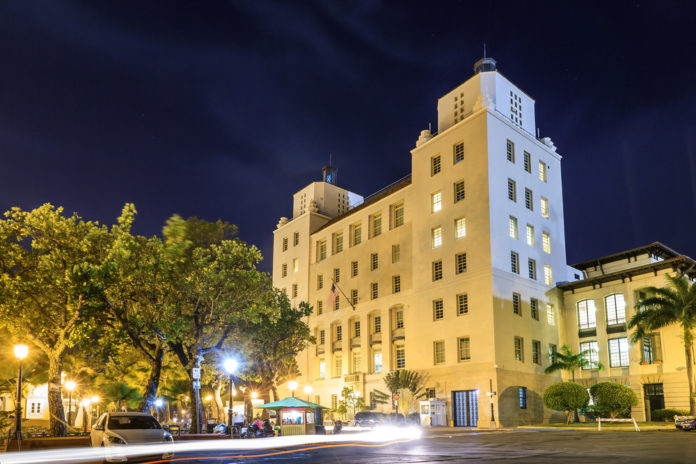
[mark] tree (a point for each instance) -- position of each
(566, 360)
(613, 398)
(352, 400)
(411, 381)
(46, 286)
(674, 304)
(568, 397)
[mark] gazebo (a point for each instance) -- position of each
(297, 417)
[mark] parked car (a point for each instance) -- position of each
(685, 422)
(368, 419)
(116, 429)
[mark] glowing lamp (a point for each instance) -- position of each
(21, 351)
(230, 365)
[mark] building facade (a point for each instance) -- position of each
(451, 271)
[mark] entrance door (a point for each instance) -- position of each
(465, 408)
(654, 396)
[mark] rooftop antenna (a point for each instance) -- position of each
(330, 155)
(430, 127)
(484, 49)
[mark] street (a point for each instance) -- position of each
(520, 446)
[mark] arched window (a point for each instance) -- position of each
(616, 309)
(587, 314)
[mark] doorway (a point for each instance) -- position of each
(654, 398)
(465, 408)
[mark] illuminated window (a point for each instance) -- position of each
(400, 356)
(355, 360)
(458, 191)
(295, 265)
(436, 201)
(435, 165)
(377, 360)
(284, 270)
(353, 268)
(396, 253)
(459, 228)
(550, 316)
(522, 394)
(338, 365)
(519, 349)
(463, 349)
(322, 368)
(542, 171)
(436, 234)
(531, 267)
(512, 190)
(374, 290)
(462, 304)
(514, 262)
(534, 308)
(590, 353)
(439, 352)
(517, 304)
(527, 162)
(396, 284)
(618, 352)
(437, 270)
(460, 263)
(548, 276)
(513, 227)
(553, 349)
(374, 261)
(530, 235)
(544, 207)
(510, 151)
(458, 152)
(616, 309)
(587, 315)
(546, 242)
(438, 310)
(528, 199)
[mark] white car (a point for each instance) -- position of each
(117, 429)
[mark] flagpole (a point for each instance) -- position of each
(344, 295)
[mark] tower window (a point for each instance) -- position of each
(374, 261)
(459, 228)
(396, 284)
(531, 265)
(436, 201)
(510, 151)
(513, 227)
(528, 200)
(530, 235)
(527, 162)
(460, 263)
(462, 304)
(435, 165)
(374, 290)
(436, 237)
(542, 171)
(437, 270)
(516, 304)
(514, 262)
(458, 191)
(512, 190)
(458, 152)
(438, 310)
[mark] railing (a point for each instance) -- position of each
(376, 338)
(353, 378)
(337, 345)
(398, 333)
(355, 341)
(320, 349)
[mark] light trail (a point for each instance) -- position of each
(76, 455)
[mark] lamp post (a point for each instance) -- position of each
(308, 390)
(159, 402)
(230, 366)
(84, 404)
(95, 400)
(292, 385)
(21, 352)
(70, 386)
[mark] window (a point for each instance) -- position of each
(322, 369)
(322, 337)
(374, 261)
(546, 242)
(460, 263)
(517, 304)
(544, 207)
(436, 201)
(320, 282)
(463, 349)
(374, 290)
(536, 352)
(458, 191)
(531, 266)
(458, 152)
(513, 227)
(459, 228)
(530, 235)
(284, 270)
(527, 162)
(519, 349)
(534, 308)
(376, 225)
(400, 356)
(522, 391)
(353, 268)
(590, 353)
(436, 237)
(396, 253)
(334, 401)
(378, 324)
(399, 320)
(336, 275)
(512, 190)
(338, 365)
(587, 315)
(285, 244)
(439, 352)
(396, 284)
(430, 393)
(296, 239)
(397, 216)
(437, 270)
(618, 352)
(438, 310)
(528, 200)
(542, 171)
(514, 262)
(337, 242)
(355, 360)
(294, 290)
(320, 307)
(377, 360)
(616, 309)
(321, 250)
(462, 304)
(435, 165)
(548, 275)
(651, 351)
(354, 296)
(356, 234)
(295, 265)
(510, 151)
(553, 349)
(356, 328)
(337, 303)
(550, 315)
(339, 333)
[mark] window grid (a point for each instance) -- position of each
(438, 310)
(354, 269)
(400, 357)
(294, 290)
(285, 244)
(512, 190)
(550, 315)
(590, 353)
(460, 263)
(464, 349)
(616, 309)
(546, 242)
(458, 191)
(462, 304)
(436, 201)
(339, 333)
(374, 261)
(439, 351)
(531, 265)
(522, 391)
(354, 296)
(517, 304)
(336, 275)
(510, 151)
(587, 315)
(396, 284)
(459, 228)
(284, 270)
(321, 245)
(513, 227)
(548, 275)
(374, 290)
(528, 199)
(436, 234)
(398, 215)
(356, 233)
(514, 262)
(618, 352)
(320, 281)
(338, 242)
(544, 203)
(437, 270)
(376, 222)
(536, 352)
(296, 239)
(396, 253)
(320, 307)
(322, 337)
(542, 171)
(530, 235)
(435, 165)
(458, 152)
(356, 328)
(519, 349)
(527, 162)
(399, 320)
(534, 308)
(378, 324)
(337, 303)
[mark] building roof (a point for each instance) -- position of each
(291, 402)
(656, 249)
(680, 263)
(372, 199)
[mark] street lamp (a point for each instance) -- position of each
(21, 352)
(308, 390)
(254, 395)
(292, 385)
(159, 402)
(231, 367)
(70, 386)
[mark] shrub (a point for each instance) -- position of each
(566, 396)
(613, 399)
(667, 415)
(591, 413)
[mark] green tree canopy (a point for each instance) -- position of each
(613, 399)
(567, 360)
(566, 396)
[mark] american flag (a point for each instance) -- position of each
(333, 294)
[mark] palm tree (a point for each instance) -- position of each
(566, 360)
(403, 379)
(672, 304)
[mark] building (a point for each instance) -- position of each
(452, 270)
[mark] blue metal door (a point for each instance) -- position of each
(465, 408)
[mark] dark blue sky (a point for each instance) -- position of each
(225, 109)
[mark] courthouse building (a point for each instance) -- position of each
(459, 271)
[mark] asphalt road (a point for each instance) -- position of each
(536, 447)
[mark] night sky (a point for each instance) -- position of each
(225, 109)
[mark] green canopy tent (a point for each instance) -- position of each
(297, 417)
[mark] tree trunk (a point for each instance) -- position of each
(218, 402)
(274, 389)
(55, 400)
(196, 409)
(152, 386)
(688, 342)
(266, 397)
(248, 408)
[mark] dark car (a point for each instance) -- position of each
(688, 424)
(368, 419)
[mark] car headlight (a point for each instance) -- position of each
(167, 436)
(115, 440)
